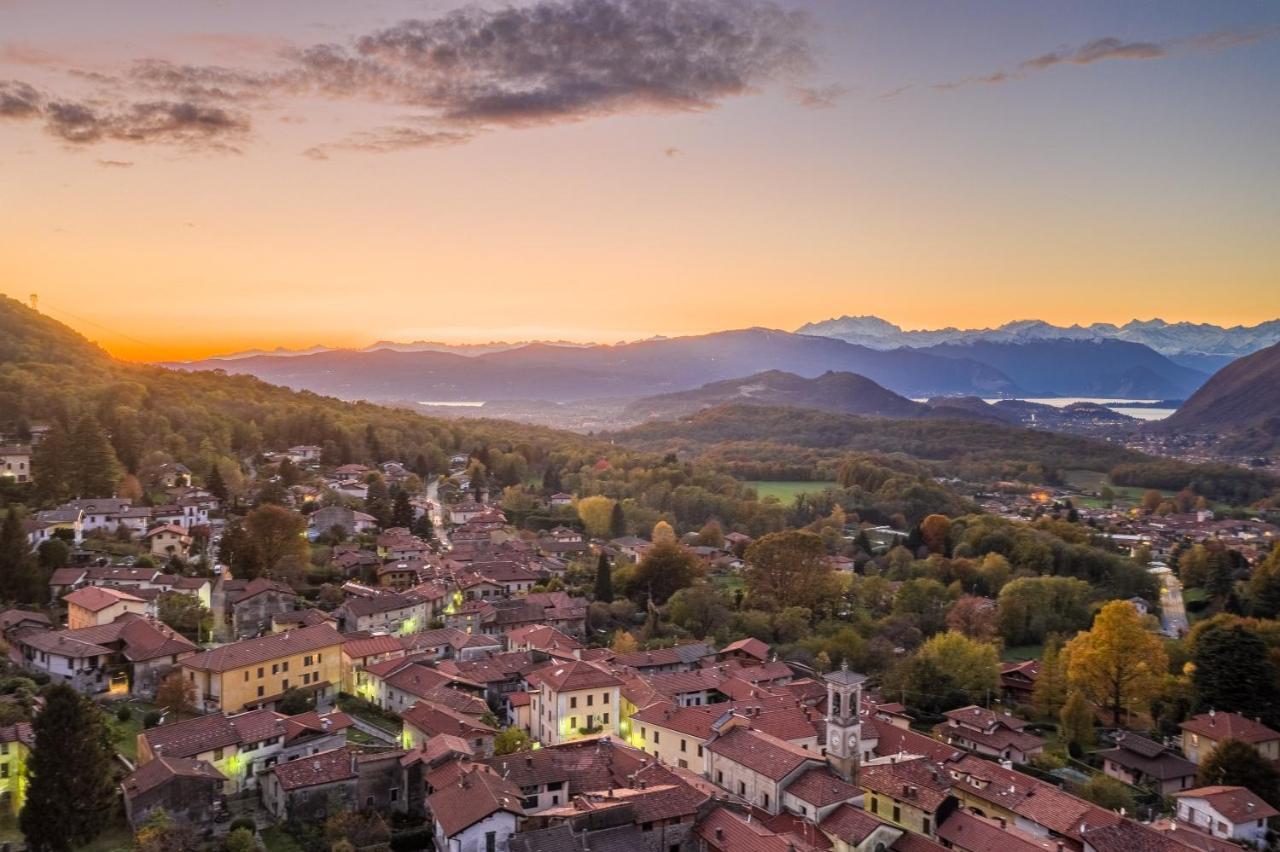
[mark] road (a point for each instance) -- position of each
(1174, 609)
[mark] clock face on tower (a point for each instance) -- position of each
(853, 741)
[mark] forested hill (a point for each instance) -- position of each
(50, 374)
(1241, 400)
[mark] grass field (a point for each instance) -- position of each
(787, 492)
(1092, 480)
(1022, 653)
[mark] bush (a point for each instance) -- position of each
(151, 719)
(243, 822)
(412, 839)
(124, 714)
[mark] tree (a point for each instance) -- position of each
(1050, 690)
(186, 614)
(1075, 721)
(665, 569)
(1107, 792)
(161, 834)
(215, 484)
(95, 468)
(70, 789)
(933, 532)
(617, 521)
(1118, 662)
(662, 533)
(177, 693)
(711, 534)
(1233, 671)
(1235, 763)
(975, 617)
(623, 642)
(295, 701)
(1030, 608)
(701, 609)
(1264, 587)
(20, 578)
(277, 538)
(925, 601)
(789, 569)
(53, 554)
(596, 514)
(511, 740)
(604, 580)
(401, 510)
(948, 671)
(241, 840)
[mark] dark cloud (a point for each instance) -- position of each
(188, 124)
(1110, 48)
(18, 100)
(470, 70)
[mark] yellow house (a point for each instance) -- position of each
(572, 700)
(92, 606)
(169, 540)
(257, 672)
(16, 742)
(908, 794)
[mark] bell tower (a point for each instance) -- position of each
(844, 725)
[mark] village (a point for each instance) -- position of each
(446, 685)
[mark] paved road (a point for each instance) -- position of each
(1174, 610)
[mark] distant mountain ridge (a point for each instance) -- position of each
(1201, 346)
(559, 373)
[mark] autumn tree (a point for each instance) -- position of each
(1118, 663)
(789, 568)
(948, 671)
(596, 513)
(662, 533)
(1107, 792)
(934, 530)
(511, 740)
(975, 617)
(70, 786)
(1050, 690)
(1075, 722)
(711, 534)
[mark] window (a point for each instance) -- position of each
(875, 805)
(924, 826)
(395, 794)
(217, 754)
(656, 738)
(261, 672)
(897, 814)
(742, 788)
(590, 699)
(604, 698)
(719, 777)
(573, 702)
(605, 718)
(275, 668)
(573, 721)
(261, 692)
(306, 661)
(284, 684)
(490, 841)
(699, 751)
(284, 667)
(682, 745)
(765, 799)
(246, 675)
(4, 770)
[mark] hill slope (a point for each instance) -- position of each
(848, 393)
(1240, 398)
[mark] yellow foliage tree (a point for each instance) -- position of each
(595, 513)
(1119, 662)
(663, 533)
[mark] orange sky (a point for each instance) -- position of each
(1088, 192)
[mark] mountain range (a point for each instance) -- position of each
(1241, 400)
(559, 373)
(1200, 346)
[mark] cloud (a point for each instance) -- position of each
(18, 100)
(1111, 48)
(821, 97)
(469, 71)
(672, 152)
(116, 164)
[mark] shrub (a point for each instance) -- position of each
(124, 714)
(243, 822)
(151, 719)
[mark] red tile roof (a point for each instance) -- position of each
(761, 753)
(327, 767)
(97, 598)
(1237, 804)
(821, 787)
(476, 795)
(254, 651)
(162, 770)
(1221, 726)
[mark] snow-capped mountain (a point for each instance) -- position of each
(1201, 346)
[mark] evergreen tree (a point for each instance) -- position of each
(51, 466)
(401, 511)
(604, 580)
(20, 577)
(551, 479)
(96, 469)
(215, 484)
(1264, 587)
(70, 792)
(1235, 763)
(423, 528)
(617, 521)
(1234, 672)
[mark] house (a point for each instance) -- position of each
(251, 605)
(481, 811)
(1231, 813)
(560, 499)
(313, 788)
(244, 745)
(363, 649)
(573, 699)
(677, 658)
(748, 651)
(168, 540)
(15, 462)
(755, 766)
(381, 611)
(258, 672)
(427, 719)
(1018, 680)
(911, 794)
(988, 733)
(94, 605)
(188, 791)
(1139, 761)
(1201, 735)
(16, 742)
(349, 521)
(460, 513)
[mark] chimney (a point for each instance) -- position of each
(719, 834)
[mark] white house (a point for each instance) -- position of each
(1231, 813)
(477, 813)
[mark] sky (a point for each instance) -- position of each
(180, 179)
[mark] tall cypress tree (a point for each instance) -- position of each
(604, 580)
(70, 792)
(96, 469)
(216, 485)
(617, 521)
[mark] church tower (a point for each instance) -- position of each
(844, 726)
